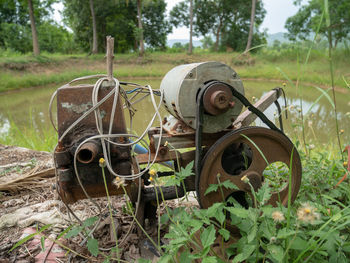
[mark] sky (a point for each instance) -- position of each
(277, 12)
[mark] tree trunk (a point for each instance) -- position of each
(139, 18)
(191, 27)
(335, 43)
(218, 35)
(251, 28)
(94, 29)
(36, 49)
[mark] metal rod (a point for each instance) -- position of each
(110, 56)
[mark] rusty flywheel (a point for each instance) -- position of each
(257, 153)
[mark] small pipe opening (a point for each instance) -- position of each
(85, 156)
(87, 152)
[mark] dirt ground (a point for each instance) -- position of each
(31, 205)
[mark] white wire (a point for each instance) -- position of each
(99, 125)
(109, 136)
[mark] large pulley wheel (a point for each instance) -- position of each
(259, 154)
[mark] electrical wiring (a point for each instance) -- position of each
(106, 139)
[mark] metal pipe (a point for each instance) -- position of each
(87, 153)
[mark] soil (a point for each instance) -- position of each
(40, 199)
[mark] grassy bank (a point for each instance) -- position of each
(22, 71)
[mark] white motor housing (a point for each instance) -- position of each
(181, 86)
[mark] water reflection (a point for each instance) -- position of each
(29, 109)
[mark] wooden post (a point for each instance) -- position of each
(110, 56)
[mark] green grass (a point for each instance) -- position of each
(22, 71)
(31, 137)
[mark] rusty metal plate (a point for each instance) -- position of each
(74, 101)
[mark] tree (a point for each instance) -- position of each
(236, 30)
(191, 27)
(36, 49)
(94, 29)
(302, 24)
(251, 28)
(182, 14)
(140, 29)
(222, 19)
(155, 26)
(118, 18)
(16, 33)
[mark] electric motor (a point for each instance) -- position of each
(182, 84)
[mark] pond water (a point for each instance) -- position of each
(28, 109)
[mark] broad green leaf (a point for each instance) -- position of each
(63, 233)
(263, 194)
(221, 217)
(211, 188)
(267, 229)
(214, 209)
(346, 247)
(225, 233)
(92, 246)
(276, 252)
(164, 218)
(196, 225)
(106, 260)
(284, 233)
(185, 172)
(234, 202)
(178, 240)
(298, 243)
(253, 214)
(248, 250)
(267, 210)
(172, 181)
(229, 185)
(185, 257)
(331, 243)
(252, 233)
(90, 221)
(74, 231)
(208, 236)
(237, 211)
(209, 260)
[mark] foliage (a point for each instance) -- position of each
(115, 18)
(155, 26)
(316, 232)
(118, 19)
(227, 20)
(15, 31)
(306, 20)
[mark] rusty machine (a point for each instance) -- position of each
(205, 102)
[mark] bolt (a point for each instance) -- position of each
(190, 75)
(190, 122)
(219, 100)
(231, 104)
(232, 119)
